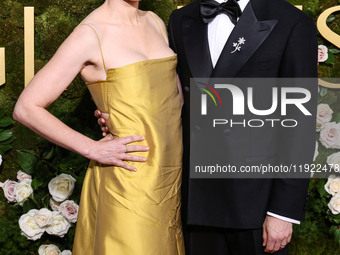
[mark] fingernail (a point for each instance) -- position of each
(144, 159)
(147, 148)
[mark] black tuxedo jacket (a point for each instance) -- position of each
(281, 42)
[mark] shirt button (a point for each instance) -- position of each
(197, 129)
(187, 89)
(227, 132)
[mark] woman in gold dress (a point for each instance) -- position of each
(130, 201)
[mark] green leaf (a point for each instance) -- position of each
(28, 205)
(334, 50)
(49, 155)
(323, 91)
(4, 148)
(309, 11)
(321, 188)
(337, 236)
(337, 118)
(39, 199)
(43, 175)
(8, 141)
(2, 113)
(27, 161)
(332, 229)
(6, 121)
(330, 59)
(4, 135)
(330, 18)
(36, 183)
(330, 100)
(336, 219)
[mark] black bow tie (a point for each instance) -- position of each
(210, 9)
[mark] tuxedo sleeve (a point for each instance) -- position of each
(296, 145)
(170, 33)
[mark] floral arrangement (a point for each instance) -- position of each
(327, 151)
(35, 223)
(44, 194)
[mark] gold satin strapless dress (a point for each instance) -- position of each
(136, 213)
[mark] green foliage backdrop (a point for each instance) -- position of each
(54, 21)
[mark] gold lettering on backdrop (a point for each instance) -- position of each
(329, 35)
(324, 30)
(29, 43)
(2, 67)
(297, 6)
(330, 85)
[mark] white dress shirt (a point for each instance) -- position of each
(219, 30)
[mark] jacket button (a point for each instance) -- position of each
(187, 89)
(227, 132)
(196, 128)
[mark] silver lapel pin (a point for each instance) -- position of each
(237, 45)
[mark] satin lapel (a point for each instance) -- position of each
(254, 32)
(195, 40)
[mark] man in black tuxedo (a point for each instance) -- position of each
(245, 216)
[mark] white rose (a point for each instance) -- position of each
(316, 152)
(59, 225)
(320, 126)
(49, 249)
(29, 227)
(43, 217)
(334, 204)
(330, 135)
(23, 176)
(69, 209)
(333, 185)
(324, 115)
(61, 187)
(54, 204)
(334, 161)
(322, 53)
(9, 190)
(66, 252)
(22, 191)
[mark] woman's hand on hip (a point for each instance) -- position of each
(115, 151)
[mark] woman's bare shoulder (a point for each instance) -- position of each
(94, 18)
(81, 40)
(152, 17)
(89, 26)
(161, 22)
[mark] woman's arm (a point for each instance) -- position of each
(78, 50)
